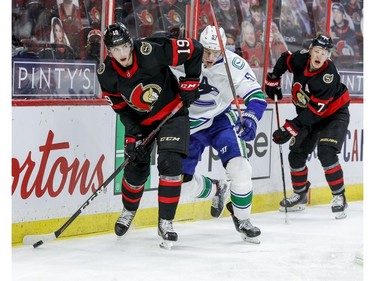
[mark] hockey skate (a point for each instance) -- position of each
(123, 222)
(296, 201)
(166, 233)
(338, 206)
(249, 233)
(220, 198)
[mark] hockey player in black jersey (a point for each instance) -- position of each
(137, 82)
(322, 106)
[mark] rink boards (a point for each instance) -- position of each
(61, 154)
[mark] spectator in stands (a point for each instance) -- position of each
(251, 48)
(354, 9)
(70, 15)
(228, 15)
(245, 9)
(290, 29)
(343, 34)
(92, 48)
(231, 42)
(320, 16)
(58, 35)
(21, 26)
(60, 40)
(257, 21)
(277, 43)
(300, 13)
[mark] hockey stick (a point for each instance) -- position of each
(37, 240)
(222, 50)
(281, 158)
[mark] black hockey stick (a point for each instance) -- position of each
(37, 240)
(281, 158)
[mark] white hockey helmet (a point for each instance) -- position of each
(209, 38)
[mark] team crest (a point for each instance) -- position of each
(145, 17)
(101, 68)
(328, 78)
(173, 17)
(238, 63)
(146, 48)
(143, 97)
(300, 98)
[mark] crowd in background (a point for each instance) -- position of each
(71, 29)
(56, 29)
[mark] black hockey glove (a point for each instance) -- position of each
(189, 90)
(273, 86)
(284, 133)
(134, 151)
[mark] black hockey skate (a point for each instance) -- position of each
(220, 198)
(123, 222)
(296, 201)
(248, 232)
(166, 233)
(339, 205)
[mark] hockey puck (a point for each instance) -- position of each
(37, 244)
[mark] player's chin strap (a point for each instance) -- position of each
(39, 239)
(222, 50)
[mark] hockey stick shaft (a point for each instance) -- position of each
(281, 158)
(37, 240)
(222, 50)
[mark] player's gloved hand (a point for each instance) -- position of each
(246, 130)
(284, 133)
(136, 151)
(189, 90)
(273, 86)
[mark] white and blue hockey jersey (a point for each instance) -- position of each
(216, 94)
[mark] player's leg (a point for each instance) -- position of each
(135, 175)
(329, 146)
(173, 142)
(300, 148)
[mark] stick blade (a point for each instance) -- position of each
(37, 240)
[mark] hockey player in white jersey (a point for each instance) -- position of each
(214, 123)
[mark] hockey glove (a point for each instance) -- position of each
(189, 90)
(273, 86)
(246, 130)
(134, 151)
(284, 133)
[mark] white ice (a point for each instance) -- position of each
(312, 245)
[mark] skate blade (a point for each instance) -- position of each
(166, 244)
(340, 215)
(253, 240)
(295, 208)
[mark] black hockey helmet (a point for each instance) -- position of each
(322, 41)
(116, 34)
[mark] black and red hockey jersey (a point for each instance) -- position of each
(317, 94)
(147, 91)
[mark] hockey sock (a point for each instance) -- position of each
(131, 195)
(335, 178)
(299, 179)
(169, 195)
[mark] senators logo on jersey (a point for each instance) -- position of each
(143, 97)
(300, 98)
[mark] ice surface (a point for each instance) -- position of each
(311, 246)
